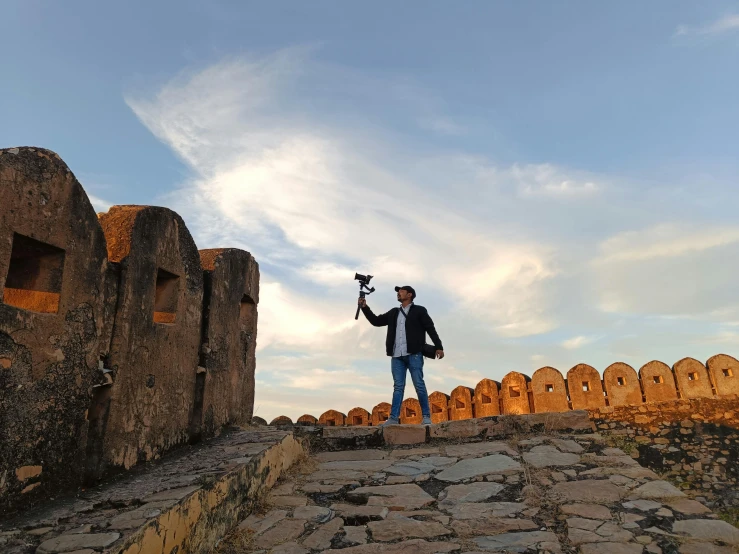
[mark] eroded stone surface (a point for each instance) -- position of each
(414, 546)
(592, 511)
(287, 530)
(477, 492)
(657, 490)
(549, 456)
(595, 491)
(395, 528)
(469, 468)
(479, 449)
(707, 529)
(320, 539)
(482, 509)
(520, 542)
(69, 543)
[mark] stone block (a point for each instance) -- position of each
(157, 330)
(658, 382)
(307, 420)
(358, 416)
(622, 385)
(549, 391)
(692, 379)
(514, 393)
(410, 411)
(349, 432)
(380, 413)
(228, 349)
(439, 403)
(465, 428)
(585, 387)
(460, 403)
(725, 372)
(332, 418)
(404, 434)
(56, 292)
(487, 399)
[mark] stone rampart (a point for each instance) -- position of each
(583, 389)
(116, 342)
(694, 441)
(56, 299)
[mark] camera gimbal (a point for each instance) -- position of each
(364, 288)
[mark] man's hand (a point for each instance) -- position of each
(439, 354)
(362, 302)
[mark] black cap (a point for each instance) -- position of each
(407, 288)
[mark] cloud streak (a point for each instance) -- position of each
(726, 24)
(507, 257)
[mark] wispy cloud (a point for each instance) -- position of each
(665, 241)
(577, 342)
(501, 254)
(99, 204)
(727, 23)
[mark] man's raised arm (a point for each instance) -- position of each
(376, 320)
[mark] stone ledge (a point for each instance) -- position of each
(151, 511)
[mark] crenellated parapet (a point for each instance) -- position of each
(582, 389)
(119, 340)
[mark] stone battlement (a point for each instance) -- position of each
(119, 340)
(549, 391)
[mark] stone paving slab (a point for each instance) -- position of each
(201, 492)
(560, 492)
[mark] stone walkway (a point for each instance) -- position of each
(183, 503)
(553, 494)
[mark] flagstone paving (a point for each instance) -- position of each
(556, 494)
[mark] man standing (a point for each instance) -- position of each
(406, 335)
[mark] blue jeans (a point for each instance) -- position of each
(414, 364)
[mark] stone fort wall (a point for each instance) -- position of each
(118, 338)
(547, 390)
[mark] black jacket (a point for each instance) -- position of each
(417, 324)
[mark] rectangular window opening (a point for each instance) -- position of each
(487, 399)
(358, 420)
(246, 313)
(436, 409)
(514, 392)
(166, 297)
(459, 405)
(382, 416)
(621, 382)
(549, 387)
(728, 372)
(692, 376)
(658, 379)
(34, 280)
(585, 386)
(331, 422)
(410, 412)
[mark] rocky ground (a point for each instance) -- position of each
(549, 493)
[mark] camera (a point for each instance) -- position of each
(364, 288)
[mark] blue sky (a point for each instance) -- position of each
(559, 181)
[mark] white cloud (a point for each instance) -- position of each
(725, 24)
(498, 253)
(664, 241)
(577, 342)
(99, 204)
(549, 181)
